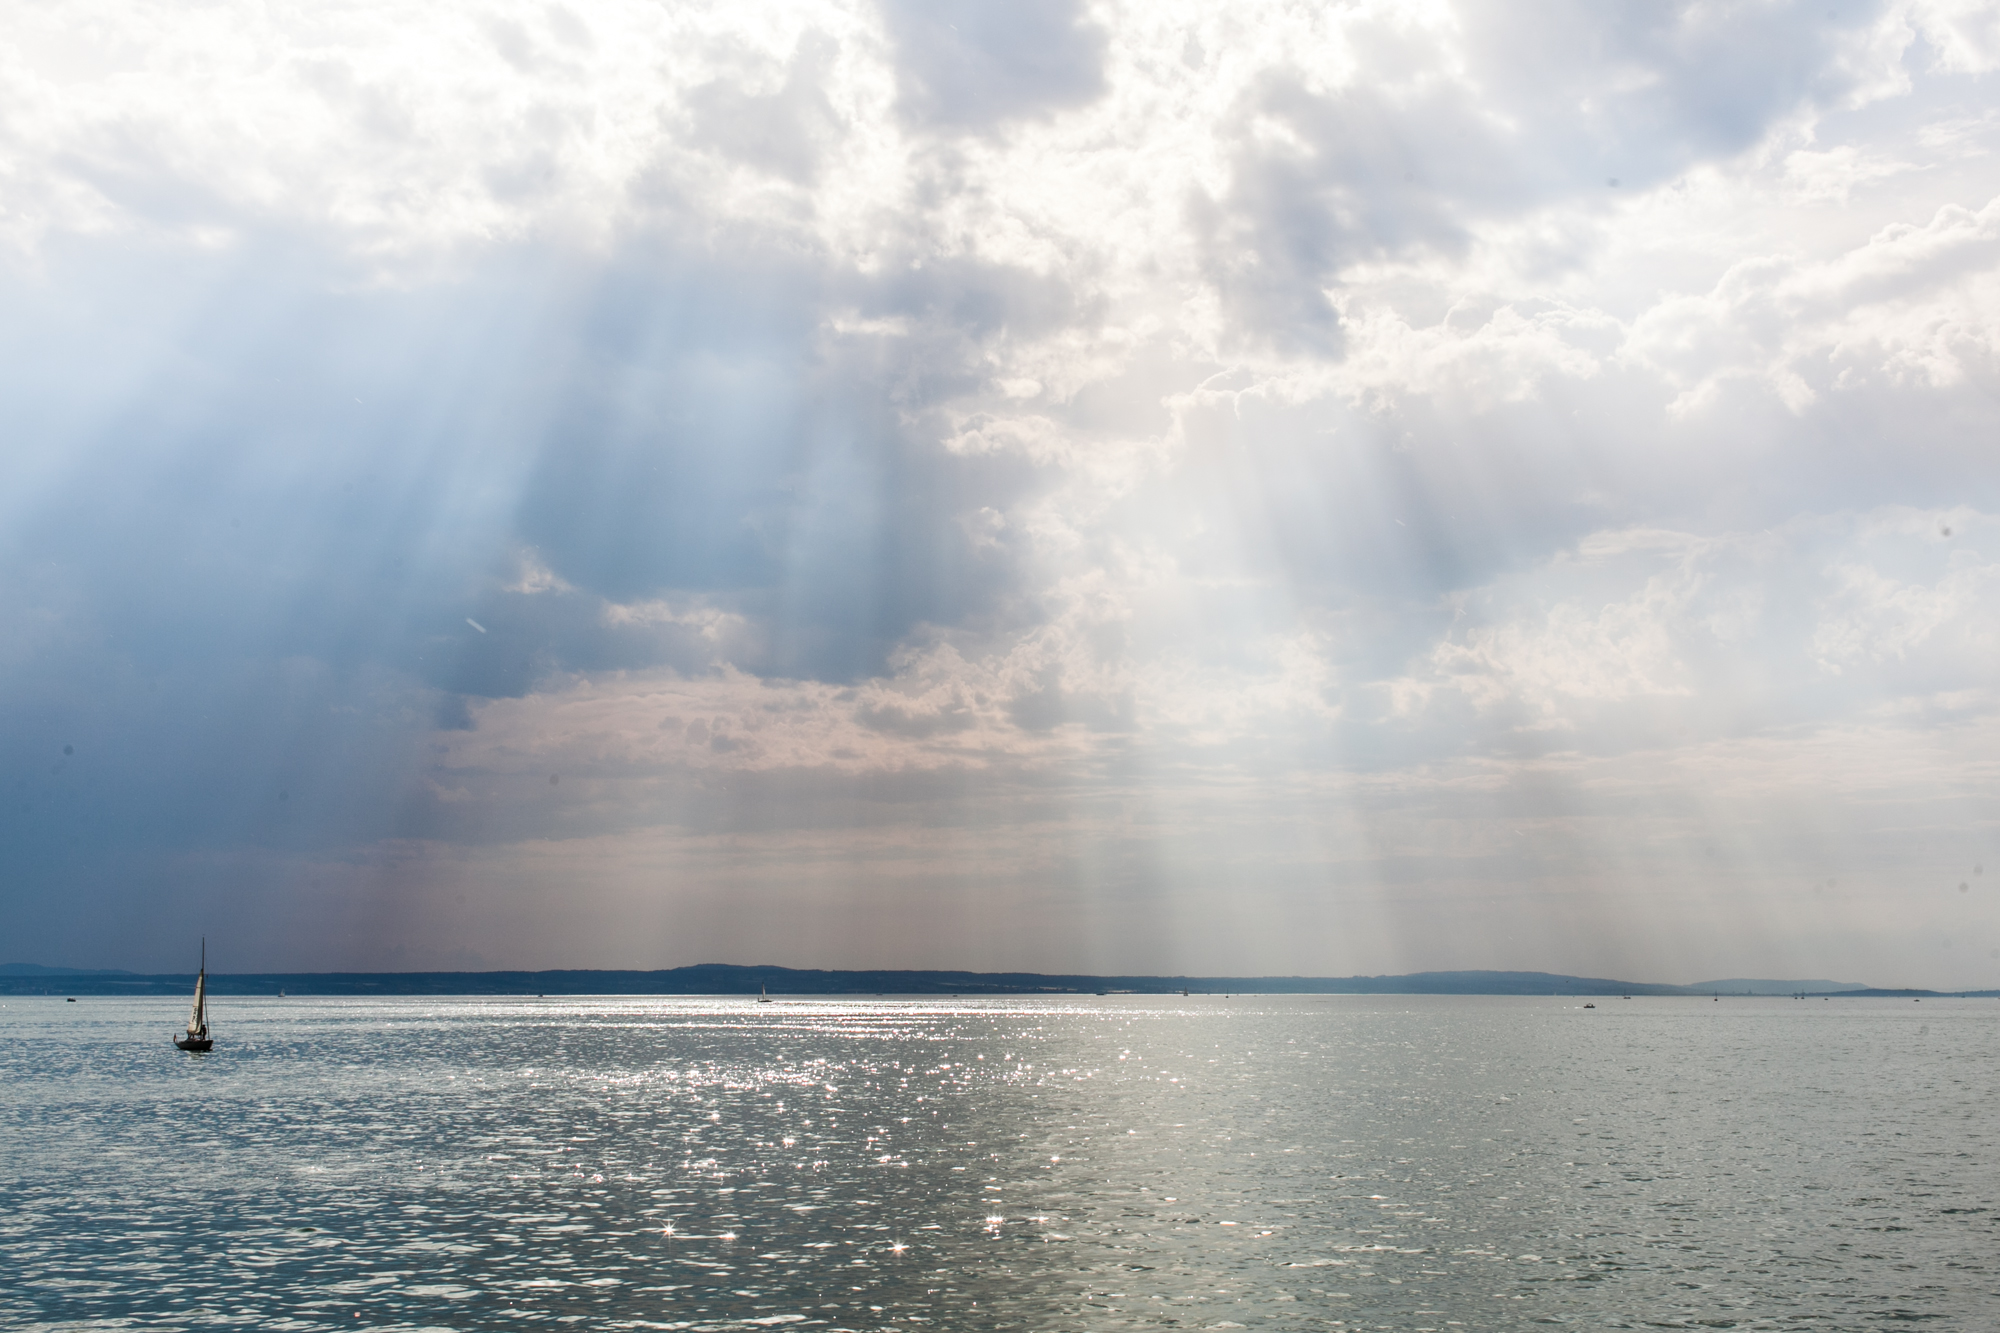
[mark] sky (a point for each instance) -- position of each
(1162, 488)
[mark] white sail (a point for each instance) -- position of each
(197, 1016)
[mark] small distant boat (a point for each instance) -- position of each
(1590, 1006)
(197, 1038)
(763, 996)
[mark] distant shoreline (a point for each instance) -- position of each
(730, 979)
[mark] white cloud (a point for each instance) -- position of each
(535, 576)
(399, 134)
(1724, 627)
(1964, 34)
(1908, 305)
(1873, 617)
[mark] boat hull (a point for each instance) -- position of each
(194, 1043)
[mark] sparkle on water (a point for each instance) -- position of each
(1130, 1162)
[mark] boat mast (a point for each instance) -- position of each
(198, 1019)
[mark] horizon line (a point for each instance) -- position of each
(1525, 981)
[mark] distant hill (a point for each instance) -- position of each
(1749, 986)
(731, 979)
(37, 970)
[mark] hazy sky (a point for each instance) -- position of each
(1003, 484)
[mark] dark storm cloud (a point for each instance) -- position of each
(231, 751)
(235, 523)
(267, 525)
(708, 439)
(975, 64)
(228, 484)
(523, 638)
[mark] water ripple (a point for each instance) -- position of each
(1306, 1162)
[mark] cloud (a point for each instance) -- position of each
(1946, 625)
(1325, 182)
(1903, 306)
(1426, 130)
(1640, 637)
(1248, 472)
(1964, 35)
(975, 64)
(780, 131)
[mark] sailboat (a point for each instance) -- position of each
(763, 996)
(197, 1038)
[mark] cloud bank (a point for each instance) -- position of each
(1059, 486)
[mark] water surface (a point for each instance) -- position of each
(1121, 1162)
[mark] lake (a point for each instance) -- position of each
(1123, 1162)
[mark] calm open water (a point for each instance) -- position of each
(1123, 1163)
